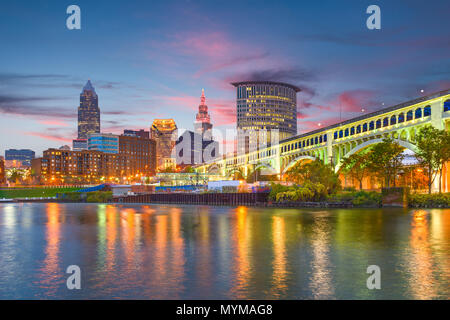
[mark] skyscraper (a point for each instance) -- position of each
(88, 112)
(265, 110)
(202, 124)
(165, 133)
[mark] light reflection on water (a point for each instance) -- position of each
(200, 252)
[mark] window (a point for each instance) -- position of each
(340, 134)
(427, 111)
(447, 105)
(320, 139)
(358, 129)
(378, 124)
(393, 120)
(325, 138)
(335, 135)
(352, 131)
(418, 113)
(401, 117)
(409, 115)
(316, 140)
(364, 127)
(346, 132)
(371, 125)
(385, 122)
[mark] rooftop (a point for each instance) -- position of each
(236, 84)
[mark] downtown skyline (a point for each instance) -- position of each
(150, 61)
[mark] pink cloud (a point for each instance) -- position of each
(55, 122)
(53, 137)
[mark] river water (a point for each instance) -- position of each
(203, 252)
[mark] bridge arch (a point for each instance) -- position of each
(293, 162)
(404, 144)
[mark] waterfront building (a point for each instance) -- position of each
(165, 134)
(141, 153)
(2, 171)
(88, 112)
(86, 166)
(192, 149)
(105, 142)
(133, 133)
(265, 109)
(202, 124)
(79, 144)
(23, 155)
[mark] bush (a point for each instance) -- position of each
(435, 200)
(358, 198)
(99, 196)
(308, 192)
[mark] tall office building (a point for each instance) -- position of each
(104, 142)
(202, 124)
(88, 112)
(23, 155)
(191, 149)
(265, 109)
(165, 133)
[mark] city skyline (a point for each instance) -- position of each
(154, 67)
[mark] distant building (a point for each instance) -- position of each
(104, 142)
(265, 108)
(88, 112)
(64, 147)
(23, 155)
(79, 144)
(141, 133)
(141, 153)
(202, 124)
(192, 149)
(2, 171)
(164, 132)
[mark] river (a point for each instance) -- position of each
(204, 252)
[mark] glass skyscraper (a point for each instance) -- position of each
(104, 142)
(88, 112)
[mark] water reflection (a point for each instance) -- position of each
(189, 252)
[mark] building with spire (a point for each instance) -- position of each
(88, 112)
(202, 124)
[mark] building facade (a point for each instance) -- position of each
(88, 112)
(165, 134)
(2, 171)
(202, 124)
(133, 133)
(265, 109)
(141, 153)
(86, 166)
(23, 155)
(79, 144)
(104, 142)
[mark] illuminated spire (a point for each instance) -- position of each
(202, 98)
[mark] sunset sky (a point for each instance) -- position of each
(150, 59)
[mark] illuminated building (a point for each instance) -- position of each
(2, 170)
(79, 144)
(88, 112)
(202, 124)
(265, 106)
(104, 142)
(141, 153)
(164, 132)
(64, 166)
(23, 155)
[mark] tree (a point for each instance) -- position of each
(356, 167)
(316, 172)
(433, 151)
(385, 159)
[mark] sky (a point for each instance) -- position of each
(151, 59)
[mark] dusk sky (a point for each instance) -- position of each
(150, 59)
